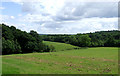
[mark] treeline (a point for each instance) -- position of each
(97, 39)
(15, 41)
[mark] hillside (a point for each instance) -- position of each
(61, 46)
(82, 61)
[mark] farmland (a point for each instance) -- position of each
(61, 46)
(99, 60)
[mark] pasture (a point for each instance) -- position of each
(99, 60)
(61, 46)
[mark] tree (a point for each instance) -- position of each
(8, 46)
(46, 48)
(7, 33)
(17, 41)
(73, 40)
(52, 48)
(31, 47)
(110, 42)
(84, 40)
(36, 35)
(17, 47)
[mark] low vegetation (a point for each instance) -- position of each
(102, 60)
(61, 46)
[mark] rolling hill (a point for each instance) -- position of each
(61, 46)
(99, 60)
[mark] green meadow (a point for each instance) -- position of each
(66, 60)
(60, 46)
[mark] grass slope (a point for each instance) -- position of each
(103, 60)
(60, 46)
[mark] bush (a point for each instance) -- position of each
(52, 48)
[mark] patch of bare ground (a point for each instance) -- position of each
(13, 65)
(32, 59)
(89, 58)
(103, 59)
(106, 70)
(26, 54)
(77, 66)
(40, 53)
(74, 66)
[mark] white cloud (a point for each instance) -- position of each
(12, 17)
(81, 26)
(3, 18)
(35, 18)
(62, 16)
(66, 0)
(44, 7)
(2, 8)
(19, 15)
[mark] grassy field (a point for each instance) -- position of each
(60, 46)
(100, 60)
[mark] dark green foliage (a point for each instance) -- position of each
(84, 40)
(17, 47)
(7, 33)
(31, 47)
(17, 41)
(110, 42)
(8, 46)
(36, 36)
(97, 39)
(0, 31)
(48, 48)
(52, 49)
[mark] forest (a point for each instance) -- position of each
(96, 39)
(15, 41)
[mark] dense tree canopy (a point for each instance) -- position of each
(97, 39)
(17, 41)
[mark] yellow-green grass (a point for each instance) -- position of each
(61, 46)
(100, 60)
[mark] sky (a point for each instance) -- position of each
(60, 16)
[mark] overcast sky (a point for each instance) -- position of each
(60, 16)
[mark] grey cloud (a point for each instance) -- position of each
(73, 11)
(88, 10)
(53, 25)
(27, 7)
(81, 10)
(33, 8)
(102, 10)
(107, 24)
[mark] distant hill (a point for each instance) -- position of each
(95, 39)
(61, 46)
